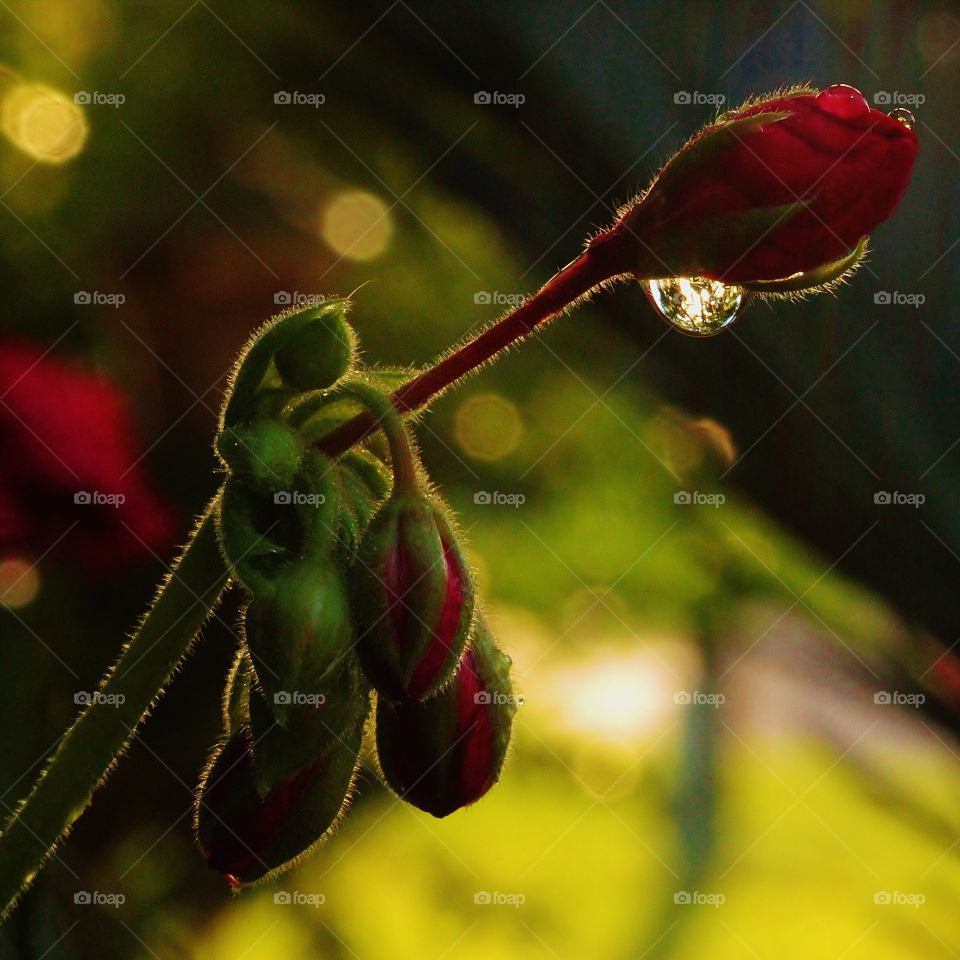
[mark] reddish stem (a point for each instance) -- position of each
(607, 256)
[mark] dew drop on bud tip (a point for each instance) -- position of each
(904, 116)
(842, 100)
(696, 305)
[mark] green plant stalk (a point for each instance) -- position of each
(102, 732)
(380, 407)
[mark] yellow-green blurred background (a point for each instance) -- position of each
(704, 764)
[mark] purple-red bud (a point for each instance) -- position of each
(244, 835)
(263, 803)
(412, 599)
(446, 752)
(270, 793)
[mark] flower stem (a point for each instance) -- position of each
(606, 257)
(385, 416)
(103, 730)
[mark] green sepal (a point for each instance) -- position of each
(236, 696)
(248, 837)
(267, 452)
(298, 632)
(331, 713)
(363, 483)
(255, 377)
(316, 498)
(252, 533)
(318, 354)
(819, 277)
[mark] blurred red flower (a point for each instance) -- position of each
(71, 483)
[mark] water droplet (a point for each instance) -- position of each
(696, 305)
(844, 101)
(904, 116)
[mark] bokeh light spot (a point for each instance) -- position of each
(43, 123)
(488, 426)
(19, 582)
(687, 445)
(613, 697)
(357, 225)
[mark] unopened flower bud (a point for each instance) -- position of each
(250, 536)
(311, 343)
(245, 835)
(412, 598)
(782, 190)
(445, 752)
(317, 719)
(319, 354)
(296, 633)
(266, 452)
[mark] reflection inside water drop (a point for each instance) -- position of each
(695, 305)
(904, 116)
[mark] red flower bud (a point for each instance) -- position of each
(413, 599)
(777, 187)
(245, 835)
(270, 793)
(445, 752)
